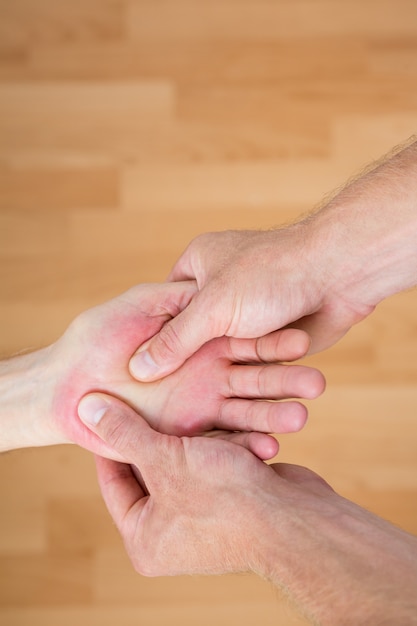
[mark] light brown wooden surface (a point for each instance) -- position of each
(126, 128)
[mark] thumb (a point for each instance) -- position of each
(177, 340)
(120, 427)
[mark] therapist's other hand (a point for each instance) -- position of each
(184, 505)
(250, 284)
(205, 506)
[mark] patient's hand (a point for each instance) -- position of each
(214, 389)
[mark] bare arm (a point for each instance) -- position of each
(210, 507)
(25, 388)
(227, 385)
(324, 273)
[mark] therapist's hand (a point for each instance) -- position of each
(250, 284)
(182, 505)
(322, 274)
(206, 506)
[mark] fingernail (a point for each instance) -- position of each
(142, 366)
(92, 408)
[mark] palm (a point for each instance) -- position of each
(210, 391)
(100, 343)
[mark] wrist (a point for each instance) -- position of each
(367, 260)
(367, 232)
(337, 561)
(26, 385)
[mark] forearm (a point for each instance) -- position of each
(367, 233)
(342, 565)
(213, 508)
(25, 402)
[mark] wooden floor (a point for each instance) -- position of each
(126, 128)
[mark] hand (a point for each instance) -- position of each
(250, 284)
(205, 506)
(215, 388)
(175, 495)
(322, 274)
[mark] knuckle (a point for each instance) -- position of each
(80, 324)
(144, 564)
(117, 435)
(251, 416)
(262, 381)
(232, 383)
(289, 380)
(269, 347)
(169, 342)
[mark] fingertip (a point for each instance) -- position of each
(115, 423)
(265, 447)
(92, 408)
(143, 367)
(293, 419)
(300, 342)
(316, 385)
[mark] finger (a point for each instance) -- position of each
(192, 264)
(298, 475)
(263, 446)
(265, 417)
(121, 428)
(275, 382)
(177, 340)
(283, 345)
(166, 299)
(183, 268)
(119, 487)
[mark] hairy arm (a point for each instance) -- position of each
(341, 564)
(211, 507)
(324, 273)
(370, 228)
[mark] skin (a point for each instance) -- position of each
(340, 563)
(225, 386)
(205, 506)
(323, 274)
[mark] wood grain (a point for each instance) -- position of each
(127, 127)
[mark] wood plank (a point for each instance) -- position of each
(128, 127)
